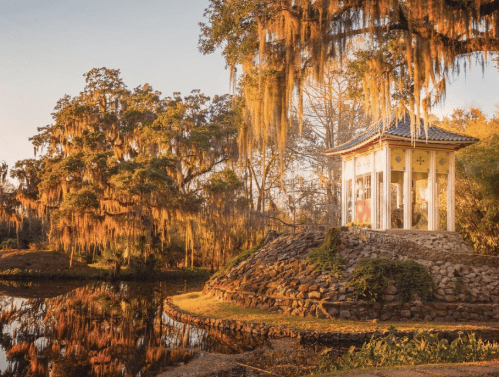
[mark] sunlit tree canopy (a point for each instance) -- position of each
(411, 47)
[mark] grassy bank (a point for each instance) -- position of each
(199, 304)
(198, 275)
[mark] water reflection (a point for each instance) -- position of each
(102, 329)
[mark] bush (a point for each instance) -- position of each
(326, 256)
(360, 225)
(141, 267)
(37, 246)
(11, 243)
(370, 280)
(424, 348)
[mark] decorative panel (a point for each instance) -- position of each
(397, 159)
(363, 164)
(379, 160)
(442, 162)
(420, 161)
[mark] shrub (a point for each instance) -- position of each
(11, 243)
(370, 279)
(360, 225)
(37, 246)
(143, 266)
(326, 256)
(424, 348)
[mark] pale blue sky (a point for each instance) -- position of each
(47, 45)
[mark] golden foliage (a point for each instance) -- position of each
(279, 43)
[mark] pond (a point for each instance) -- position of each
(99, 329)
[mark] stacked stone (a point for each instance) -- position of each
(279, 278)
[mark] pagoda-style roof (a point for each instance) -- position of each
(400, 129)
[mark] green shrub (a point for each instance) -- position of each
(11, 243)
(141, 266)
(370, 279)
(424, 348)
(326, 256)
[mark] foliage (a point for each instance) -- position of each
(37, 246)
(477, 179)
(326, 257)
(242, 256)
(119, 167)
(279, 44)
(423, 348)
(371, 277)
(360, 225)
(8, 244)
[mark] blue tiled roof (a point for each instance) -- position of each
(402, 129)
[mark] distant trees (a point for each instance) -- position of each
(477, 179)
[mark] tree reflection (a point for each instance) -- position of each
(97, 330)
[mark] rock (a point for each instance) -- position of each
(391, 290)
(315, 295)
(405, 313)
(304, 287)
(345, 314)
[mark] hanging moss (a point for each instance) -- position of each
(279, 44)
(326, 256)
(370, 280)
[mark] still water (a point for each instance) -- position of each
(99, 329)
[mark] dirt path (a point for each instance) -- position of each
(38, 260)
(218, 365)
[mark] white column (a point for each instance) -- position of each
(344, 196)
(387, 177)
(374, 190)
(408, 189)
(354, 194)
(451, 199)
(432, 193)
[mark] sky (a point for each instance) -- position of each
(47, 46)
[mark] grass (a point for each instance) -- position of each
(199, 304)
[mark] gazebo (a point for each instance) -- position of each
(391, 180)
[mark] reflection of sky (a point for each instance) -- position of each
(196, 335)
(8, 303)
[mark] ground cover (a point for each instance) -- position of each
(199, 304)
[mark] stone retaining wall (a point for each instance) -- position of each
(279, 278)
(352, 310)
(438, 246)
(330, 338)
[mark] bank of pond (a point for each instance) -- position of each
(125, 328)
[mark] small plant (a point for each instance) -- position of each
(423, 348)
(370, 280)
(11, 243)
(38, 246)
(326, 256)
(360, 225)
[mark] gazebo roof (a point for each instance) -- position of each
(400, 129)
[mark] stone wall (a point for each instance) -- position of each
(279, 278)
